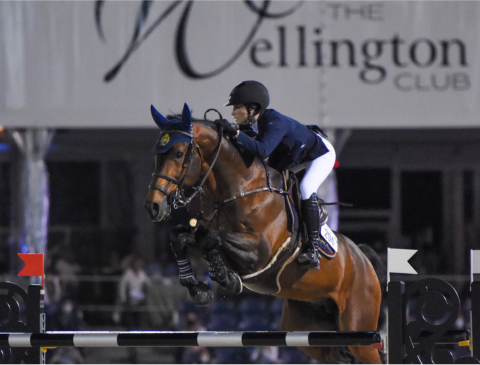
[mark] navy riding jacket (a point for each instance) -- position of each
(285, 141)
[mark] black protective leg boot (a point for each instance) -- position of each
(309, 257)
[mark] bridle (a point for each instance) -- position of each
(177, 198)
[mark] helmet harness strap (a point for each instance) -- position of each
(251, 114)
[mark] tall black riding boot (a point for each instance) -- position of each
(309, 257)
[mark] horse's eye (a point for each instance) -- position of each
(179, 154)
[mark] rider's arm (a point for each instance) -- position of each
(275, 130)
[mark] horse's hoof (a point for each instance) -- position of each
(201, 294)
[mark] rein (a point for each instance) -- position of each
(269, 188)
(179, 200)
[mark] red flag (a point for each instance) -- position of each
(33, 265)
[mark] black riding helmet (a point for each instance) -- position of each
(249, 92)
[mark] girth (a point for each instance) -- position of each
(267, 280)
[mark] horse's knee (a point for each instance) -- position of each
(180, 237)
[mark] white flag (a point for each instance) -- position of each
(397, 261)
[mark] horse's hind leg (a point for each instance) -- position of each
(358, 317)
(304, 316)
(366, 354)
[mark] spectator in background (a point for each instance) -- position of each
(68, 270)
(133, 291)
(127, 261)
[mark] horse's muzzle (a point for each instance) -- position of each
(157, 210)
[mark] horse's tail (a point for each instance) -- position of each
(378, 265)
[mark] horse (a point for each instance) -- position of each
(242, 232)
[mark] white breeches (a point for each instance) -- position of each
(317, 171)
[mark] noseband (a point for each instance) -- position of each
(177, 198)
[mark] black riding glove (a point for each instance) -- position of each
(248, 130)
(230, 129)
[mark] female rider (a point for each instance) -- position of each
(287, 143)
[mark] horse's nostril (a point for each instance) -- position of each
(155, 209)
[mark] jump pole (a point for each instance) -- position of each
(189, 339)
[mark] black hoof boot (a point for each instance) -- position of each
(234, 283)
(218, 272)
(201, 294)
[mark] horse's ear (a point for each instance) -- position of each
(158, 118)
(186, 118)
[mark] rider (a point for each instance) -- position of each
(287, 143)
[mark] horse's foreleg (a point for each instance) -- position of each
(209, 243)
(227, 278)
(200, 292)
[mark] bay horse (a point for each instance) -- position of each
(242, 232)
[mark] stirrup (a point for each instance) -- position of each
(310, 259)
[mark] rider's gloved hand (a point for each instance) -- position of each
(230, 129)
(248, 130)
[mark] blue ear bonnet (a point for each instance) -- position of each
(168, 139)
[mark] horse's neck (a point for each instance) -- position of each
(229, 175)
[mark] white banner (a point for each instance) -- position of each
(336, 64)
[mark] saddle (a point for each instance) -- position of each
(294, 202)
